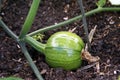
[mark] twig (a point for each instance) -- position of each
(90, 37)
(72, 30)
(7, 30)
(92, 33)
(97, 10)
(98, 67)
(88, 66)
(87, 56)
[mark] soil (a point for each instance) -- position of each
(105, 44)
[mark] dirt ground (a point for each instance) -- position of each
(106, 41)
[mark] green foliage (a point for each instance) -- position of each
(38, 37)
(101, 3)
(118, 77)
(11, 78)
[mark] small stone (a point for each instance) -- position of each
(55, 23)
(21, 18)
(115, 72)
(65, 18)
(111, 22)
(43, 71)
(2, 13)
(18, 46)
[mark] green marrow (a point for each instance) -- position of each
(63, 50)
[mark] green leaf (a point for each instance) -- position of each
(11, 78)
(30, 18)
(101, 3)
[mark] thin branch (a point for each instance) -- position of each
(97, 10)
(84, 22)
(7, 30)
(91, 34)
(33, 66)
(64, 22)
(88, 66)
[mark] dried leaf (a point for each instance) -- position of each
(88, 57)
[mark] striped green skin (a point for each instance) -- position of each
(63, 50)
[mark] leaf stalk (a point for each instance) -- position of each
(89, 13)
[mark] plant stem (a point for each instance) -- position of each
(37, 45)
(24, 50)
(33, 66)
(111, 9)
(62, 23)
(30, 18)
(84, 22)
(97, 10)
(10, 33)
